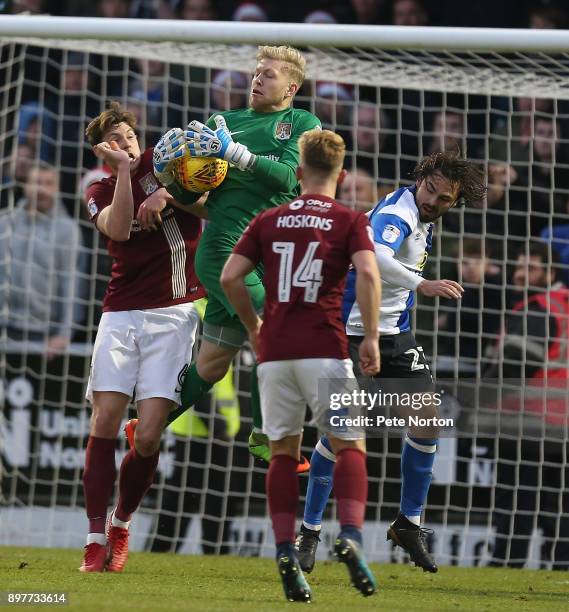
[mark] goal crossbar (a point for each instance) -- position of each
(464, 60)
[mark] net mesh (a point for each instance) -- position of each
(508, 111)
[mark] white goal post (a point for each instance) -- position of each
(395, 94)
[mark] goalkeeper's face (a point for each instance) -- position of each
(271, 88)
(435, 195)
(127, 140)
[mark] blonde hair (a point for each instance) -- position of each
(293, 60)
(113, 116)
(322, 151)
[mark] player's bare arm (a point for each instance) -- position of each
(440, 288)
(368, 296)
(115, 220)
(397, 274)
(233, 283)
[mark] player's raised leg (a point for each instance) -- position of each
(100, 473)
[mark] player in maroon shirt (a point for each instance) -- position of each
(145, 336)
(306, 248)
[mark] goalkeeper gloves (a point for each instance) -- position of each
(204, 142)
(170, 147)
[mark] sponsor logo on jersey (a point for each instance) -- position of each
(148, 183)
(92, 208)
(390, 233)
(296, 205)
(283, 131)
(318, 204)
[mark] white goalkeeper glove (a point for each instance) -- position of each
(204, 142)
(170, 147)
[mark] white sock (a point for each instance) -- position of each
(116, 523)
(416, 520)
(96, 538)
(313, 527)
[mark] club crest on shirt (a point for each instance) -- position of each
(92, 207)
(148, 183)
(283, 131)
(390, 233)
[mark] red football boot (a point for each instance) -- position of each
(95, 558)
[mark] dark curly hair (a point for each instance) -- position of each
(470, 177)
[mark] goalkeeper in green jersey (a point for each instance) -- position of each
(261, 145)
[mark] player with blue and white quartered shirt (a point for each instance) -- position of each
(403, 228)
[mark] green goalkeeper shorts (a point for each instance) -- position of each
(221, 325)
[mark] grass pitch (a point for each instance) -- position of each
(155, 582)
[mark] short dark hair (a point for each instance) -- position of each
(543, 250)
(469, 176)
(475, 247)
(548, 255)
(113, 116)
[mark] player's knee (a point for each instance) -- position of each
(338, 444)
(214, 370)
(146, 442)
(105, 422)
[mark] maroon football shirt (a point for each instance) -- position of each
(151, 269)
(306, 248)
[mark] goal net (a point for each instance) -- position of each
(395, 95)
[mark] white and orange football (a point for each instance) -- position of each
(199, 174)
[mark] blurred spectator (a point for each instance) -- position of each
(229, 90)
(68, 108)
(165, 9)
(358, 190)
(370, 123)
(410, 13)
(531, 328)
(32, 122)
(370, 12)
(334, 102)
(40, 260)
(156, 99)
(32, 7)
(532, 470)
(114, 9)
(250, 11)
(448, 132)
(197, 9)
(504, 217)
(558, 236)
(468, 327)
(320, 17)
(549, 175)
(509, 141)
(373, 141)
(548, 18)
